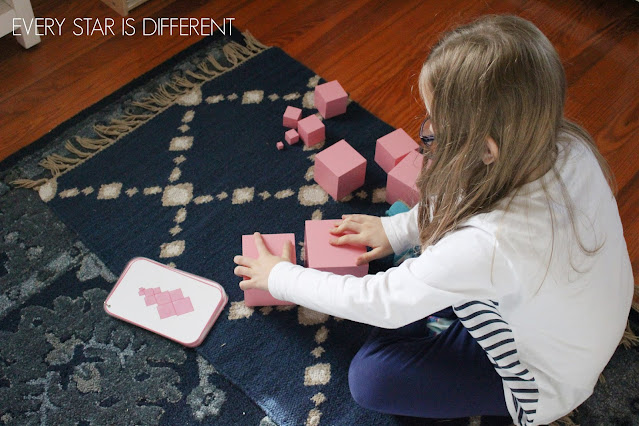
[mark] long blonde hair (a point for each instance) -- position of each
(497, 77)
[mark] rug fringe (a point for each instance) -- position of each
(629, 338)
(635, 299)
(565, 420)
(166, 95)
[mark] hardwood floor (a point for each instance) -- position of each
(375, 49)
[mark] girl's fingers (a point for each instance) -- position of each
(357, 218)
(242, 271)
(286, 250)
(247, 284)
(347, 225)
(244, 261)
(368, 256)
(261, 246)
(354, 239)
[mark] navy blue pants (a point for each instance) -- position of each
(410, 371)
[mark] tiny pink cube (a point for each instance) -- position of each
(163, 298)
(275, 244)
(340, 169)
(148, 292)
(166, 310)
(392, 148)
(176, 295)
(400, 184)
(292, 137)
(150, 300)
(320, 254)
(311, 130)
(141, 291)
(291, 116)
(280, 145)
(183, 306)
(330, 99)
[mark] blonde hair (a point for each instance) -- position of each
(497, 77)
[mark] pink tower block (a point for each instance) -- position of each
(166, 310)
(292, 137)
(279, 145)
(183, 306)
(320, 254)
(330, 99)
(340, 169)
(311, 130)
(148, 292)
(392, 148)
(275, 244)
(291, 116)
(400, 184)
(176, 295)
(163, 298)
(150, 300)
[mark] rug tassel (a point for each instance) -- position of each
(565, 420)
(629, 338)
(29, 183)
(161, 99)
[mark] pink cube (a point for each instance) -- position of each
(275, 243)
(163, 298)
(166, 310)
(339, 169)
(280, 145)
(292, 137)
(141, 291)
(183, 306)
(150, 300)
(392, 148)
(311, 130)
(176, 295)
(320, 254)
(148, 292)
(156, 290)
(291, 116)
(400, 185)
(330, 99)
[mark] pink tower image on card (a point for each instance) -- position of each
(169, 302)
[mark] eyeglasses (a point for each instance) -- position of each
(427, 139)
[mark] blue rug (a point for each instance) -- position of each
(201, 171)
(181, 175)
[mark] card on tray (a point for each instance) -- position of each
(172, 303)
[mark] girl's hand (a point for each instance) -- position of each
(258, 270)
(366, 231)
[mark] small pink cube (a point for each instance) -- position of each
(166, 310)
(291, 116)
(183, 306)
(150, 300)
(400, 185)
(275, 244)
(340, 169)
(163, 298)
(320, 254)
(392, 148)
(292, 137)
(311, 130)
(148, 292)
(141, 291)
(280, 145)
(330, 99)
(176, 295)
(157, 290)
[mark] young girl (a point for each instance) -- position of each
(521, 240)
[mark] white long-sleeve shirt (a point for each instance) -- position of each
(565, 310)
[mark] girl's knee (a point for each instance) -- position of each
(364, 382)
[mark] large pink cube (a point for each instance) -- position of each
(392, 148)
(400, 185)
(339, 169)
(330, 99)
(320, 254)
(291, 117)
(275, 244)
(311, 130)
